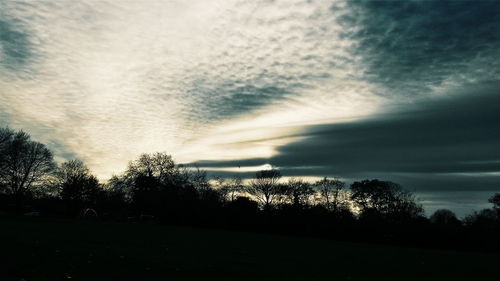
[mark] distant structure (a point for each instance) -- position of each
(89, 213)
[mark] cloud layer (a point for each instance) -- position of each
(440, 143)
(406, 90)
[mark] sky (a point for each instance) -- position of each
(407, 91)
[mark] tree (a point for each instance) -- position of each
(5, 135)
(199, 180)
(230, 188)
(298, 192)
(486, 218)
(495, 200)
(119, 187)
(162, 168)
(385, 198)
(208, 196)
(146, 196)
(242, 206)
(146, 177)
(78, 187)
(265, 187)
(444, 217)
(331, 192)
(158, 165)
(160, 187)
(25, 164)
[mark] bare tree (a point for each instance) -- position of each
(265, 187)
(158, 165)
(199, 179)
(298, 192)
(230, 188)
(331, 193)
(26, 164)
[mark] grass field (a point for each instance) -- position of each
(50, 249)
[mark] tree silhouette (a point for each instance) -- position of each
(444, 217)
(230, 188)
(154, 187)
(158, 165)
(331, 194)
(146, 197)
(25, 164)
(146, 180)
(79, 188)
(384, 198)
(199, 179)
(119, 187)
(265, 187)
(486, 218)
(298, 192)
(495, 200)
(209, 197)
(5, 135)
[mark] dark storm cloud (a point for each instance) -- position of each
(447, 136)
(409, 46)
(450, 142)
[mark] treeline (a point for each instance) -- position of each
(155, 188)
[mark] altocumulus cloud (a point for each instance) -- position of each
(108, 80)
(414, 47)
(313, 87)
(15, 46)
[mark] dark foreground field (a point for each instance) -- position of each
(50, 249)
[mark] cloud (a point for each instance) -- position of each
(113, 79)
(439, 143)
(107, 80)
(15, 47)
(412, 47)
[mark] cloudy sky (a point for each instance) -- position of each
(401, 90)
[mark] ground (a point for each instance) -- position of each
(40, 248)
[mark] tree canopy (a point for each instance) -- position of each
(25, 164)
